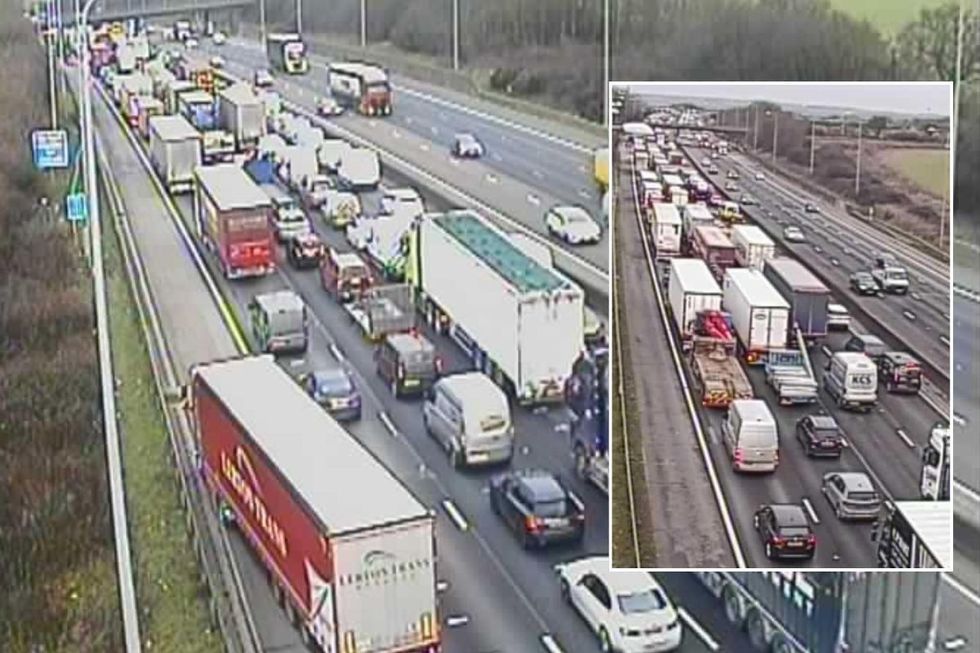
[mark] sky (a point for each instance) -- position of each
(899, 97)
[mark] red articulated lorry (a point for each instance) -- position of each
(351, 552)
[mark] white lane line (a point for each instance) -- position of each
(533, 199)
(491, 179)
(373, 123)
(909, 315)
(549, 644)
(962, 589)
(537, 174)
(424, 147)
(811, 511)
(698, 629)
(905, 438)
(442, 585)
(584, 194)
(954, 644)
(944, 340)
(496, 157)
(825, 350)
(296, 362)
(337, 354)
(434, 130)
(455, 515)
(456, 621)
(395, 133)
(383, 416)
(958, 419)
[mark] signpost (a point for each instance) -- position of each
(50, 147)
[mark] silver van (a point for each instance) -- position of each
(279, 322)
(751, 436)
(469, 416)
(852, 380)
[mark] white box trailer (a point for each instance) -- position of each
(665, 229)
(520, 322)
(691, 288)
(175, 150)
(242, 112)
(760, 314)
(752, 246)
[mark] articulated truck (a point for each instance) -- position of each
(914, 535)
(934, 476)
(287, 53)
(362, 86)
(352, 574)
(828, 612)
(520, 322)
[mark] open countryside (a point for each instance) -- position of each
(890, 16)
(928, 169)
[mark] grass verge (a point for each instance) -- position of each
(927, 169)
(173, 608)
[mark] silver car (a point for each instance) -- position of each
(851, 494)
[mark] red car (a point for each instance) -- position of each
(344, 275)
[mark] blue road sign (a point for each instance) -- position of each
(50, 148)
(77, 207)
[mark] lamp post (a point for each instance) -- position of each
(363, 23)
(605, 63)
(262, 23)
(813, 137)
(299, 17)
(455, 34)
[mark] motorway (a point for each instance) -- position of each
(884, 444)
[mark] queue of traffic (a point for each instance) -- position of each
(736, 303)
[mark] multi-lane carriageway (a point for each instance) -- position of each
(886, 443)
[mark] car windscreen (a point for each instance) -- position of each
(292, 217)
(641, 602)
(898, 275)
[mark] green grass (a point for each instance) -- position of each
(173, 609)
(889, 16)
(927, 169)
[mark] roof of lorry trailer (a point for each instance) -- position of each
(240, 94)
(339, 480)
(506, 259)
(230, 187)
(173, 128)
(796, 275)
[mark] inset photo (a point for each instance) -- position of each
(780, 325)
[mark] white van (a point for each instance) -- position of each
(751, 436)
(469, 416)
(359, 169)
(851, 379)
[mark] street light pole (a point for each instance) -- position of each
(755, 137)
(364, 23)
(775, 134)
(455, 34)
(956, 123)
(857, 171)
(49, 33)
(813, 137)
(605, 63)
(262, 22)
(299, 16)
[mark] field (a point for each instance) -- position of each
(927, 169)
(887, 15)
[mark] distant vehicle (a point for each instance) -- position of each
(863, 283)
(327, 106)
(469, 417)
(785, 531)
(340, 208)
(851, 495)
(838, 317)
(359, 169)
(731, 185)
(287, 53)
(867, 344)
(330, 152)
(467, 146)
(731, 174)
(617, 604)
(852, 381)
(408, 363)
(794, 235)
(820, 436)
(759, 176)
(218, 38)
(573, 224)
(811, 208)
(600, 168)
(713, 169)
(316, 190)
(262, 78)
(706, 162)
(899, 372)
(217, 61)
(334, 389)
(751, 436)
(279, 322)
(305, 250)
(747, 199)
(890, 275)
(537, 507)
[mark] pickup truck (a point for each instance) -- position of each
(789, 373)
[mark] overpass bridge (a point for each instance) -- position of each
(111, 10)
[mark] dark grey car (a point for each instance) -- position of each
(334, 389)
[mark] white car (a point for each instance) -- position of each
(217, 61)
(218, 38)
(190, 43)
(628, 610)
(759, 176)
(467, 146)
(794, 235)
(402, 199)
(838, 317)
(329, 107)
(573, 224)
(262, 78)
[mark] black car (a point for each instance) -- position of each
(537, 507)
(820, 435)
(863, 283)
(867, 344)
(899, 372)
(305, 251)
(811, 208)
(785, 531)
(334, 389)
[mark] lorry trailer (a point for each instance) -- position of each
(690, 290)
(362, 86)
(759, 313)
(175, 151)
(287, 53)
(521, 323)
(752, 246)
(714, 365)
(808, 297)
(828, 612)
(232, 215)
(711, 245)
(242, 113)
(353, 575)
(914, 535)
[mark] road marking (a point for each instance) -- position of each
(491, 179)
(455, 515)
(383, 416)
(962, 589)
(424, 147)
(698, 629)
(297, 362)
(337, 354)
(954, 644)
(456, 621)
(817, 249)
(825, 350)
(549, 644)
(442, 585)
(583, 169)
(408, 120)
(944, 340)
(914, 295)
(442, 116)
(537, 173)
(958, 419)
(584, 194)
(434, 130)
(496, 157)
(811, 511)
(834, 261)
(909, 315)
(533, 199)
(905, 437)
(395, 133)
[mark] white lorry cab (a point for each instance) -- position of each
(851, 379)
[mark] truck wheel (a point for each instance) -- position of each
(581, 463)
(564, 590)
(757, 631)
(733, 608)
(454, 458)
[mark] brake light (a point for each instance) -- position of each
(777, 541)
(532, 524)
(811, 540)
(739, 455)
(579, 516)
